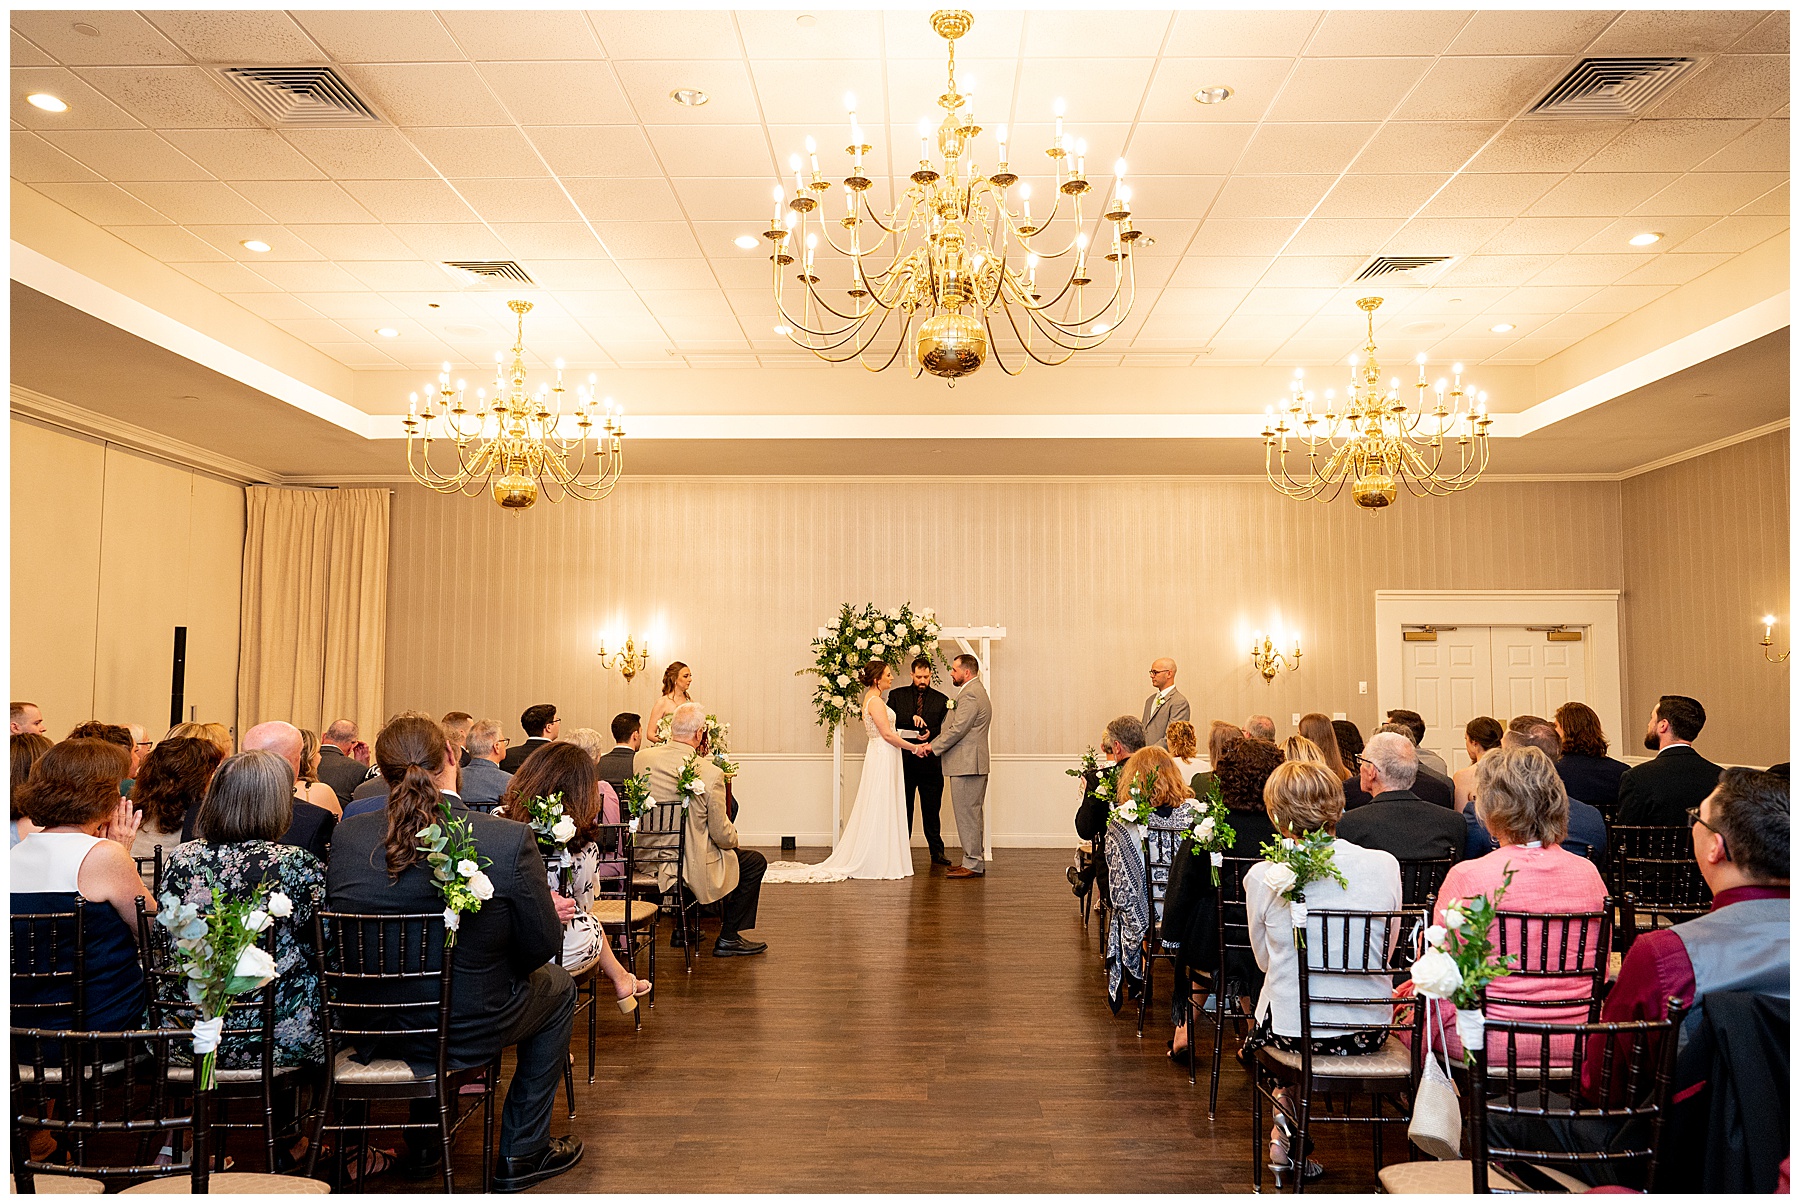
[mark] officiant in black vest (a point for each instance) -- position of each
(921, 709)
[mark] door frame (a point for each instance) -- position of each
(1597, 610)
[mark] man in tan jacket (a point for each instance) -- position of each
(714, 869)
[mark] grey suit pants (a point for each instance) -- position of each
(968, 794)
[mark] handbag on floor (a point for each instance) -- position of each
(1437, 1121)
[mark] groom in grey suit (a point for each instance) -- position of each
(963, 745)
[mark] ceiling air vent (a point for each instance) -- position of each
(490, 271)
(1611, 87)
(1402, 269)
(302, 96)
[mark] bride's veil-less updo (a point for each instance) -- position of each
(871, 673)
(669, 676)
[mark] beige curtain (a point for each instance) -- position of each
(313, 633)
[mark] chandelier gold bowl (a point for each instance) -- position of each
(515, 445)
(954, 261)
(1373, 440)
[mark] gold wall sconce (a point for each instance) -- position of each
(1768, 641)
(629, 660)
(1267, 660)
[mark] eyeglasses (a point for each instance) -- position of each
(1693, 814)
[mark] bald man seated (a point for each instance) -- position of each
(1165, 706)
(311, 826)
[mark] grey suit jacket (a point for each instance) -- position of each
(483, 781)
(1156, 726)
(963, 744)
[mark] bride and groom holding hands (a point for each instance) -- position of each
(877, 840)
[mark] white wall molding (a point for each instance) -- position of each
(53, 412)
(1693, 453)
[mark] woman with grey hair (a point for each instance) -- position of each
(588, 740)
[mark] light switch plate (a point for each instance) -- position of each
(1339, 715)
(1296, 718)
(1362, 687)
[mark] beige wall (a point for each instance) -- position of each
(1706, 556)
(111, 551)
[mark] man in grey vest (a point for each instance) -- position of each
(963, 745)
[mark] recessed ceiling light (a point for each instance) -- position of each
(806, 20)
(255, 244)
(784, 329)
(1646, 238)
(1501, 327)
(746, 241)
(388, 332)
(1214, 95)
(691, 97)
(48, 103)
(85, 30)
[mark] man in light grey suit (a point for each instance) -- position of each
(484, 783)
(1165, 706)
(963, 745)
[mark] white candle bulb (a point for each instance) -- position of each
(850, 103)
(1025, 193)
(812, 240)
(1081, 241)
(1125, 194)
(1059, 119)
(812, 152)
(1000, 137)
(447, 362)
(1119, 168)
(924, 140)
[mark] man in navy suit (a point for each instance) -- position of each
(1661, 791)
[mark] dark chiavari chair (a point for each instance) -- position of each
(629, 920)
(1232, 923)
(1421, 880)
(1158, 848)
(1655, 879)
(661, 840)
(153, 863)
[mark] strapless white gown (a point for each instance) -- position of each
(875, 842)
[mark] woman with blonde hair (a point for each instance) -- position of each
(1152, 773)
(1184, 750)
(1299, 748)
(217, 733)
(676, 680)
(1317, 728)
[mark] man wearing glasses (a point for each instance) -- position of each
(1165, 706)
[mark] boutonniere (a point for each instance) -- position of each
(1158, 704)
(950, 704)
(1295, 863)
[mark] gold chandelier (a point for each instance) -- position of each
(514, 445)
(952, 251)
(1374, 440)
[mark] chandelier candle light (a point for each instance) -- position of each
(954, 252)
(514, 445)
(1374, 440)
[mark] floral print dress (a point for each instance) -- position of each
(191, 872)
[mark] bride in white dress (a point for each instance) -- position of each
(875, 843)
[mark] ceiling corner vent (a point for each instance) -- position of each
(300, 96)
(1402, 269)
(1611, 87)
(489, 272)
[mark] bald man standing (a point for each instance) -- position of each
(1165, 706)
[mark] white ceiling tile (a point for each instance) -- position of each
(1261, 327)
(314, 330)
(831, 35)
(1199, 302)
(219, 36)
(1773, 203)
(37, 162)
(172, 244)
(1520, 31)
(345, 242)
(655, 35)
(648, 240)
(1105, 143)
(1523, 325)
(1285, 302)
(1763, 148)
(1489, 195)
(127, 155)
(1466, 88)
(243, 154)
(356, 307)
(1239, 351)
(1599, 194)
(1320, 147)
(1668, 31)
(618, 304)
(271, 304)
(452, 240)
(1455, 302)
(750, 303)
(1270, 196)
(731, 96)
(513, 33)
(600, 150)
(1367, 197)
(221, 277)
(1150, 271)
(1544, 235)
(1245, 237)
(716, 240)
(479, 151)
(1418, 31)
(733, 199)
(358, 355)
(368, 36)
(1714, 193)
(624, 328)
(24, 54)
(428, 94)
(196, 203)
(284, 245)
(1315, 271)
(1254, 83)
(550, 240)
(1240, 34)
(125, 37)
(430, 201)
(1615, 236)
(361, 154)
(804, 93)
(290, 201)
(1664, 145)
(1623, 298)
(1546, 145)
(719, 150)
(559, 93)
(686, 273)
(518, 200)
(1050, 34)
(1575, 327)
(1209, 272)
(1343, 236)
(1414, 146)
(88, 109)
(579, 274)
(389, 276)
(1180, 150)
(1770, 36)
(1732, 234)
(1493, 270)
(1675, 269)
(911, 91)
(1348, 89)
(109, 205)
(171, 97)
(649, 199)
(1094, 90)
(1167, 237)
(1588, 270)
(1732, 85)
(1173, 196)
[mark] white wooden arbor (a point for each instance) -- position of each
(977, 642)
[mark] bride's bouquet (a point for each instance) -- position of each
(859, 635)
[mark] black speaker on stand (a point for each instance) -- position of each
(178, 677)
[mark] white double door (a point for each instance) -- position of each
(1497, 671)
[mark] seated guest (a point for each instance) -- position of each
(1430, 783)
(1521, 800)
(339, 766)
(1218, 735)
(1130, 877)
(507, 990)
(716, 870)
(1586, 835)
(372, 794)
(1302, 797)
(112, 733)
(1414, 723)
(172, 783)
(1396, 820)
(587, 740)
(307, 787)
(628, 737)
(28, 719)
(83, 850)
(1349, 742)
(456, 733)
(1317, 728)
(1184, 746)
(248, 806)
(1660, 791)
(1479, 735)
(564, 768)
(1299, 748)
(1591, 775)
(483, 781)
(1260, 727)
(27, 747)
(140, 747)
(312, 826)
(541, 725)
(216, 734)
(1123, 736)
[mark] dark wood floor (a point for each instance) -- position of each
(914, 1036)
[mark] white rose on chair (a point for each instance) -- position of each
(564, 831)
(1205, 829)
(280, 906)
(467, 868)
(1280, 878)
(1436, 975)
(696, 787)
(257, 920)
(480, 886)
(255, 968)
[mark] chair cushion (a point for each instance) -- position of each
(233, 1183)
(58, 1185)
(382, 1070)
(1458, 1178)
(612, 911)
(185, 1074)
(1392, 1060)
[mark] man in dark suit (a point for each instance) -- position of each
(1395, 819)
(456, 726)
(1124, 736)
(483, 781)
(508, 991)
(1431, 784)
(541, 725)
(628, 737)
(338, 767)
(1660, 791)
(921, 709)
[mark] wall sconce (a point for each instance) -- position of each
(629, 660)
(1268, 661)
(1768, 642)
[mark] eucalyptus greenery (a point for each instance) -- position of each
(217, 951)
(449, 848)
(636, 798)
(862, 634)
(1299, 862)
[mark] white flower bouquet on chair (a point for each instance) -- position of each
(1296, 862)
(1459, 962)
(635, 799)
(217, 950)
(1212, 832)
(551, 824)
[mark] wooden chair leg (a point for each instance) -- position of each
(1256, 1127)
(487, 1131)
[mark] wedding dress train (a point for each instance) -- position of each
(875, 842)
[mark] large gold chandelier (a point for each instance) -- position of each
(953, 252)
(1374, 440)
(514, 444)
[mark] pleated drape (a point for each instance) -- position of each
(313, 631)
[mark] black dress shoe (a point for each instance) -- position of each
(939, 859)
(517, 1174)
(737, 947)
(423, 1163)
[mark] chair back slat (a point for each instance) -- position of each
(1655, 865)
(51, 997)
(1420, 880)
(385, 979)
(1567, 945)
(1357, 944)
